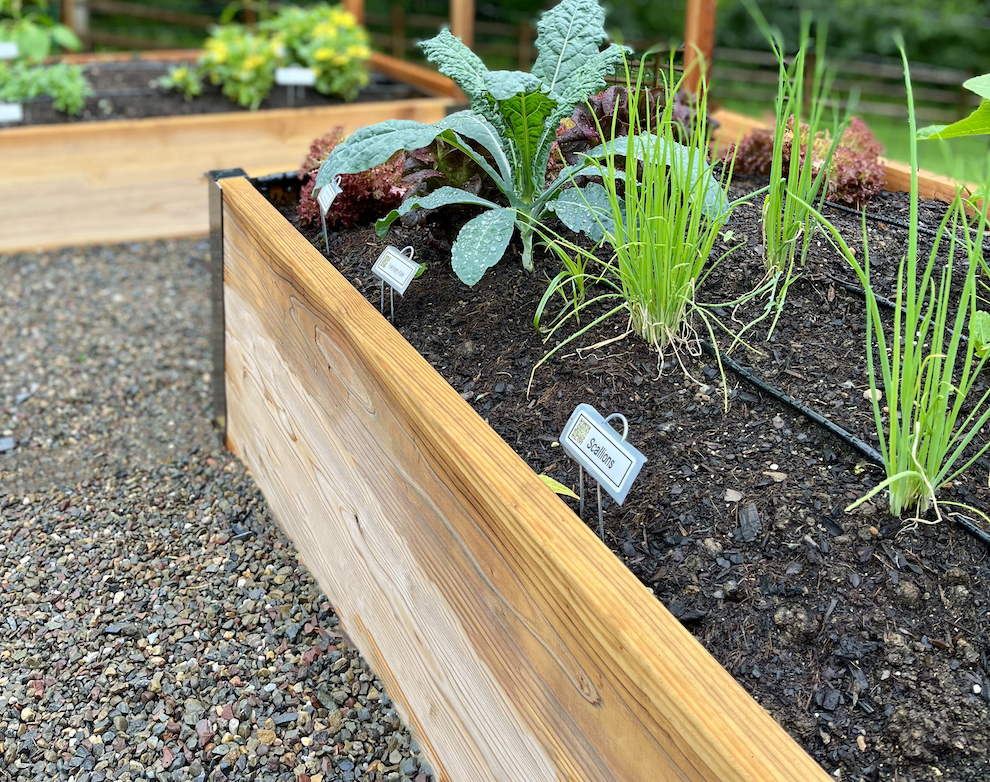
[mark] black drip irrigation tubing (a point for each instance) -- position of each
(843, 434)
(922, 228)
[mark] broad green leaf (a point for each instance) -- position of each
(457, 61)
(979, 332)
(65, 38)
(586, 209)
(568, 35)
(980, 85)
(440, 197)
(648, 146)
(502, 85)
(32, 41)
(557, 487)
(976, 124)
(481, 243)
(477, 128)
(372, 145)
(525, 116)
(587, 80)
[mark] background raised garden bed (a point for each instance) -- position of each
(113, 181)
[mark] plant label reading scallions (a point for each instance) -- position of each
(8, 50)
(596, 446)
(11, 112)
(295, 76)
(396, 267)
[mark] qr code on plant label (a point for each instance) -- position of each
(580, 431)
(386, 261)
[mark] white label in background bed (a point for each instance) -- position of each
(328, 193)
(11, 112)
(396, 267)
(295, 76)
(8, 50)
(597, 447)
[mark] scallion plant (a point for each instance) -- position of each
(788, 225)
(661, 226)
(926, 418)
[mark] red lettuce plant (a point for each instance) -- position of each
(856, 173)
(364, 197)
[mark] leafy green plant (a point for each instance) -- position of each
(66, 84)
(925, 376)
(513, 117)
(242, 62)
(31, 27)
(976, 124)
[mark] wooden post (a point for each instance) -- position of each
(525, 44)
(699, 41)
(398, 31)
(356, 7)
(462, 21)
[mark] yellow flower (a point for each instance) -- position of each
(218, 49)
(180, 73)
(252, 62)
(323, 54)
(357, 52)
(340, 60)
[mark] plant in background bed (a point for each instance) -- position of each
(325, 38)
(365, 196)
(926, 422)
(36, 35)
(514, 117)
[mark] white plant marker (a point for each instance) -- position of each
(328, 193)
(597, 447)
(10, 112)
(398, 269)
(294, 77)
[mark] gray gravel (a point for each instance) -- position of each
(154, 621)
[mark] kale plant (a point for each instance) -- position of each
(514, 117)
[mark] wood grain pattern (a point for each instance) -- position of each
(143, 179)
(513, 642)
(699, 41)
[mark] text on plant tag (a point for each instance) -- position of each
(395, 268)
(597, 447)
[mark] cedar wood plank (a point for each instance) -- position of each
(514, 643)
(143, 179)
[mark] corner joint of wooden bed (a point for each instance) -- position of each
(219, 412)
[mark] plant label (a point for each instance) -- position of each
(8, 50)
(328, 193)
(295, 76)
(396, 267)
(11, 112)
(598, 448)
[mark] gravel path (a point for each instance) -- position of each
(154, 621)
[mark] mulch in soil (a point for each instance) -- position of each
(129, 90)
(865, 637)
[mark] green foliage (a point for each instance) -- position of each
(184, 79)
(327, 39)
(976, 124)
(324, 38)
(513, 118)
(31, 27)
(928, 369)
(66, 84)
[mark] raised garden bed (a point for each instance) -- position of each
(867, 644)
(127, 179)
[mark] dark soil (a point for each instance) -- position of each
(129, 90)
(865, 637)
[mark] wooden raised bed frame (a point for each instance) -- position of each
(88, 182)
(515, 645)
